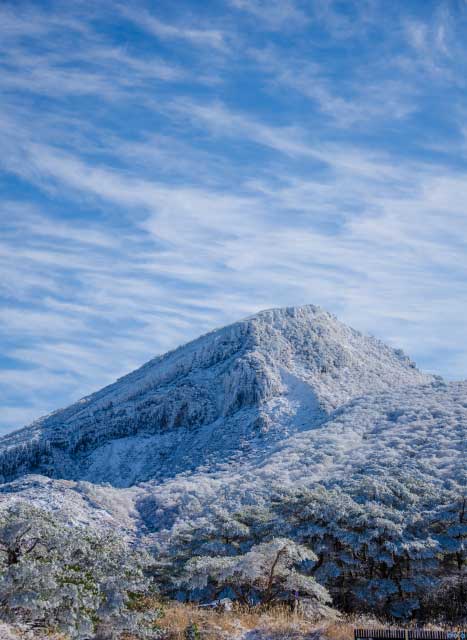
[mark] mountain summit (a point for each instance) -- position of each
(230, 393)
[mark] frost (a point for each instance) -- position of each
(287, 424)
(239, 388)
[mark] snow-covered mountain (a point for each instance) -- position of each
(287, 397)
(256, 381)
(286, 423)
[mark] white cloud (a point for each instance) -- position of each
(222, 121)
(275, 14)
(364, 98)
(214, 38)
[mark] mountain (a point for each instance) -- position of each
(287, 423)
(288, 397)
(239, 388)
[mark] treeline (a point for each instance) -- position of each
(88, 584)
(394, 548)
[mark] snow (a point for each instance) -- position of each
(287, 398)
(275, 373)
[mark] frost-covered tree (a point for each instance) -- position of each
(75, 581)
(218, 533)
(447, 523)
(393, 545)
(268, 573)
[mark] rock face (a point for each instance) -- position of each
(232, 394)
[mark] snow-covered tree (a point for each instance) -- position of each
(268, 573)
(72, 580)
(392, 545)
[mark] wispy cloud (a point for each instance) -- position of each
(199, 36)
(220, 120)
(365, 98)
(169, 171)
(276, 14)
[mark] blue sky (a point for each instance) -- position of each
(169, 167)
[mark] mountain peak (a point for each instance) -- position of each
(284, 312)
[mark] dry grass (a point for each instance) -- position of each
(278, 623)
(344, 628)
(339, 630)
(212, 624)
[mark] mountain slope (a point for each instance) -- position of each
(285, 424)
(241, 387)
(414, 436)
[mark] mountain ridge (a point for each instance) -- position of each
(270, 373)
